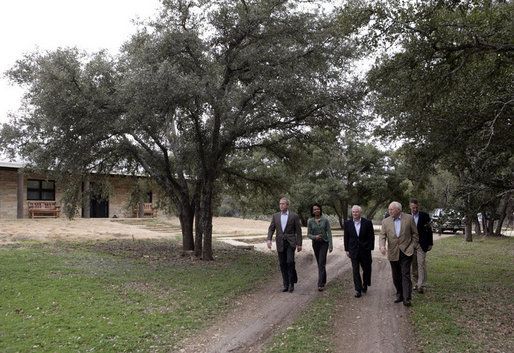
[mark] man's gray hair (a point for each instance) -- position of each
(285, 199)
(357, 207)
(396, 205)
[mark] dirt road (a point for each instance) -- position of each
(370, 324)
(373, 323)
(257, 316)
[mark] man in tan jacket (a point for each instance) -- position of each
(401, 234)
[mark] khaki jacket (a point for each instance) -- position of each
(408, 240)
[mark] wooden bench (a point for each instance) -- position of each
(43, 209)
(148, 210)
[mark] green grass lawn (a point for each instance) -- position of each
(469, 306)
(115, 296)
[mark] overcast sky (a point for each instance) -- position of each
(27, 25)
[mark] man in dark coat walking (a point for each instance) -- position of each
(289, 238)
(359, 241)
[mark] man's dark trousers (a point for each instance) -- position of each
(363, 260)
(401, 276)
(287, 266)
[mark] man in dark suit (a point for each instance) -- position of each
(401, 235)
(288, 239)
(426, 240)
(359, 241)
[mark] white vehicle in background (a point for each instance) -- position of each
(447, 220)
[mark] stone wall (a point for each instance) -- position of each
(120, 196)
(8, 196)
(121, 188)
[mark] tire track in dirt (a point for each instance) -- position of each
(261, 314)
(373, 323)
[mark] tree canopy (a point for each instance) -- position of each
(191, 89)
(446, 90)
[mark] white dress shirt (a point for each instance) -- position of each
(397, 226)
(357, 224)
(416, 217)
(283, 220)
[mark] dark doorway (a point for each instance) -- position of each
(99, 208)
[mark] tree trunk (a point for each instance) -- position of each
(186, 218)
(486, 219)
(338, 214)
(341, 220)
(373, 210)
(303, 220)
(186, 215)
(498, 231)
(478, 229)
(502, 211)
(510, 212)
(206, 220)
(468, 231)
(344, 209)
(141, 209)
(343, 214)
(490, 226)
(198, 229)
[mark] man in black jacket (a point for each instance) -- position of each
(419, 266)
(359, 241)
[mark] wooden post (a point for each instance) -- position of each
(20, 195)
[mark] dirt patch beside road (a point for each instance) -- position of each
(121, 228)
(75, 230)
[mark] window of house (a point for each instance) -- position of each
(40, 190)
(149, 197)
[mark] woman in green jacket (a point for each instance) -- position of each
(318, 229)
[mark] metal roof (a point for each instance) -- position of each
(13, 165)
(19, 165)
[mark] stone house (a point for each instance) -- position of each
(19, 190)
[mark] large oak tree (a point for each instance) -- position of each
(202, 81)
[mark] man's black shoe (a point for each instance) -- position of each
(364, 288)
(407, 302)
(291, 288)
(398, 300)
(358, 295)
(285, 289)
